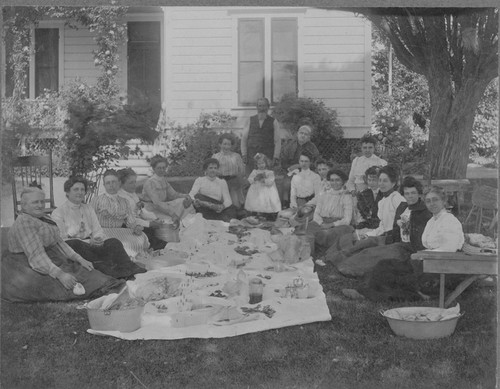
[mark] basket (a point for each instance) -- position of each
(474, 250)
(421, 329)
(123, 320)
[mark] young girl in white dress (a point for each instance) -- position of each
(262, 196)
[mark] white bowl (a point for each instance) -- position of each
(416, 329)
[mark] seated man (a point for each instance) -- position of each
(211, 194)
(40, 266)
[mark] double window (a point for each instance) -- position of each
(267, 59)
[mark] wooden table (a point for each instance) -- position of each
(479, 266)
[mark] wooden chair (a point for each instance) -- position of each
(484, 207)
(30, 170)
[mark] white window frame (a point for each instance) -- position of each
(266, 14)
(59, 24)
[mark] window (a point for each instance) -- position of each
(267, 59)
(46, 60)
(45, 65)
(144, 64)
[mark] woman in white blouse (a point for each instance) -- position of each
(160, 198)
(333, 213)
(117, 217)
(80, 228)
(365, 238)
(443, 231)
(306, 184)
(210, 194)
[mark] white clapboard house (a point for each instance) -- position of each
(203, 59)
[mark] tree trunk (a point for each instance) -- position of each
(451, 124)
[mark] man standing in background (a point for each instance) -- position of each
(260, 135)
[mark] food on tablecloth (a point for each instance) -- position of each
(266, 310)
(245, 250)
(218, 293)
(161, 308)
(158, 288)
(201, 275)
(239, 231)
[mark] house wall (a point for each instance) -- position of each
(78, 56)
(201, 62)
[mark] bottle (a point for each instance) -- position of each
(256, 288)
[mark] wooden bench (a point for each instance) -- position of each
(479, 266)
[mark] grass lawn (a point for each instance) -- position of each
(47, 346)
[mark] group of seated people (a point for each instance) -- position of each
(359, 219)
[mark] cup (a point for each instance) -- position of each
(256, 288)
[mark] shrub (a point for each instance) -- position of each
(186, 147)
(99, 127)
(295, 111)
(485, 131)
(402, 143)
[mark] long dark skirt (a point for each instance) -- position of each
(402, 280)
(322, 239)
(226, 215)
(110, 258)
(20, 283)
(346, 248)
(363, 262)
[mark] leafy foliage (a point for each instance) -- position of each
(401, 141)
(485, 132)
(410, 101)
(99, 126)
(186, 147)
(294, 112)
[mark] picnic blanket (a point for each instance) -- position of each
(211, 269)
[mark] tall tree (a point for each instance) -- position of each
(456, 50)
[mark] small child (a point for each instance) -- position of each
(262, 196)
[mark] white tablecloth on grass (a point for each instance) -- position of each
(215, 248)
